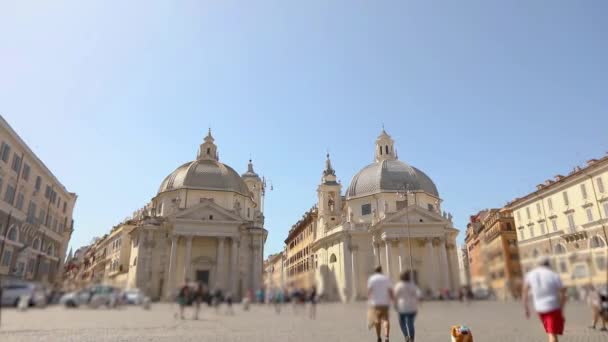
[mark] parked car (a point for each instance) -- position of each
(95, 296)
(134, 296)
(11, 293)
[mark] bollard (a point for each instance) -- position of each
(24, 303)
(146, 303)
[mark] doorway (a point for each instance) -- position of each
(202, 277)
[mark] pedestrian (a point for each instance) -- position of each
(217, 299)
(548, 296)
(380, 296)
(199, 297)
(407, 297)
(278, 301)
(313, 302)
(595, 304)
(182, 299)
(228, 300)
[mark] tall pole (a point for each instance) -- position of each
(409, 231)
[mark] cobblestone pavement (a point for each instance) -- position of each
(490, 321)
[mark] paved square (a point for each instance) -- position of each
(490, 321)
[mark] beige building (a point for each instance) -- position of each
(299, 271)
(566, 218)
(35, 214)
(273, 271)
(392, 216)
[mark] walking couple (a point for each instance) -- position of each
(404, 297)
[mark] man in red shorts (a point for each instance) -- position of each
(549, 297)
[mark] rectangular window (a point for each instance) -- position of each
(571, 224)
(31, 213)
(605, 209)
(6, 260)
(5, 151)
(584, 191)
(565, 196)
(550, 203)
(47, 192)
(26, 172)
(16, 163)
(531, 231)
(528, 212)
(554, 224)
(41, 216)
(589, 215)
(9, 195)
(19, 204)
(600, 184)
(48, 220)
(430, 207)
(65, 206)
(543, 230)
(366, 209)
(38, 183)
(538, 211)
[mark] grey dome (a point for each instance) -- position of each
(389, 175)
(205, 174)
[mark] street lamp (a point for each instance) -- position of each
(405, 194)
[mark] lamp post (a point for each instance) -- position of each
(405, 194)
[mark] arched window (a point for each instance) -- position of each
(12, 234)
(559, 249)
(380, 149)
(50, 250)
(208, 151)
(596, 242)
(386, 149)
(332, 259)
(36, 244)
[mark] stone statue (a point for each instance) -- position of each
(450, 217)
(445, 215)
(237, 206)
(385, 207)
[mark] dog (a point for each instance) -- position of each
(461, 333)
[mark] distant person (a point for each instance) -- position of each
(228, 300)
(407, 297)
(199, 297)
(182, 299)
(313, 302)
(596, 307)
(278, 301)
(217, 299)
(380, 296)
(549, 297)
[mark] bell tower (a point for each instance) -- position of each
(329, 197)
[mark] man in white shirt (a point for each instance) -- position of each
(380, 296)
(549, 297)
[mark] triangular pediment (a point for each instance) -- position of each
(413, 214)
(207, 210)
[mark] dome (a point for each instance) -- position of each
(205, 174)
(389, 175)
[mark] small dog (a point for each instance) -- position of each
(460, 333)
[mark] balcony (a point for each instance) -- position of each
(574, 236)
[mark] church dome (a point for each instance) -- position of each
(205, 173)
(387, 174)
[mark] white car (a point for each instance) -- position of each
(134, 296)
(13, 291)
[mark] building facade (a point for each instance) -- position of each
(274, 276)
(391, 215)
(35, 214)
(299, 259)
(566, 219)
(474, 243)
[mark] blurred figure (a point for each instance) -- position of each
(247, 300)
(380, 296)
(595, 304)
(228, 300)
(199, 297)
(407, 296)
(313, 302)
(182, 299)
(278, 301)
(549, 297)
(217, 299)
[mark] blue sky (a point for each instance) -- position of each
(489, 98)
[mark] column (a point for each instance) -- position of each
(170, 278)
(400, 256)
(387, 244)
(220, 270)
(430, 266)
(443, 264)
(354, 281)
(257, 265)
(234, 271)
(188, 259)
(376, 248)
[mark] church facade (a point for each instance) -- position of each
(206, 224)
(391, 215)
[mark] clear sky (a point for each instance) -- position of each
(489, 98)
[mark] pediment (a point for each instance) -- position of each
(207, 211)
(413, 215)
